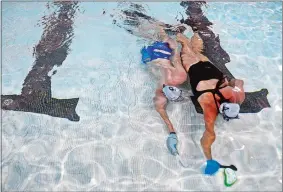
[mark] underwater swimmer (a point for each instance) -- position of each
(214, 92)
(166, 56)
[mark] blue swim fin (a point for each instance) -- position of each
(212, 167)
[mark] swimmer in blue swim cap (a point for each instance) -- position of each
(165, 55)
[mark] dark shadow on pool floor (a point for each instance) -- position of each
(51, 51)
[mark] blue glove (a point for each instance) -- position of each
(172, 142)
(212, 167)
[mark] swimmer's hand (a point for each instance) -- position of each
(212, 167)
(172, 142)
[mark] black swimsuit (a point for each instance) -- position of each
(205, 71)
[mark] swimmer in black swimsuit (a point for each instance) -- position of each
(209, 85)
(204, 70)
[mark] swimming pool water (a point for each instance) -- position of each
(119, 142)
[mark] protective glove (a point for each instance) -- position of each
(212, 167)
(172, 142)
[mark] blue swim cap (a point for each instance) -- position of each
(146, 57)
(155, 51)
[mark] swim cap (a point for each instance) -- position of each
(172, 93)
(229, 110)
(146, 55)
(158, 50)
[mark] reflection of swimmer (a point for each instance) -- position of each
(215, 94)
(166, 56)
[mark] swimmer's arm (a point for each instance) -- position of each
(160, 102)
(176, 59)
(210, 113)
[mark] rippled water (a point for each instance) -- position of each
(119, 142)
